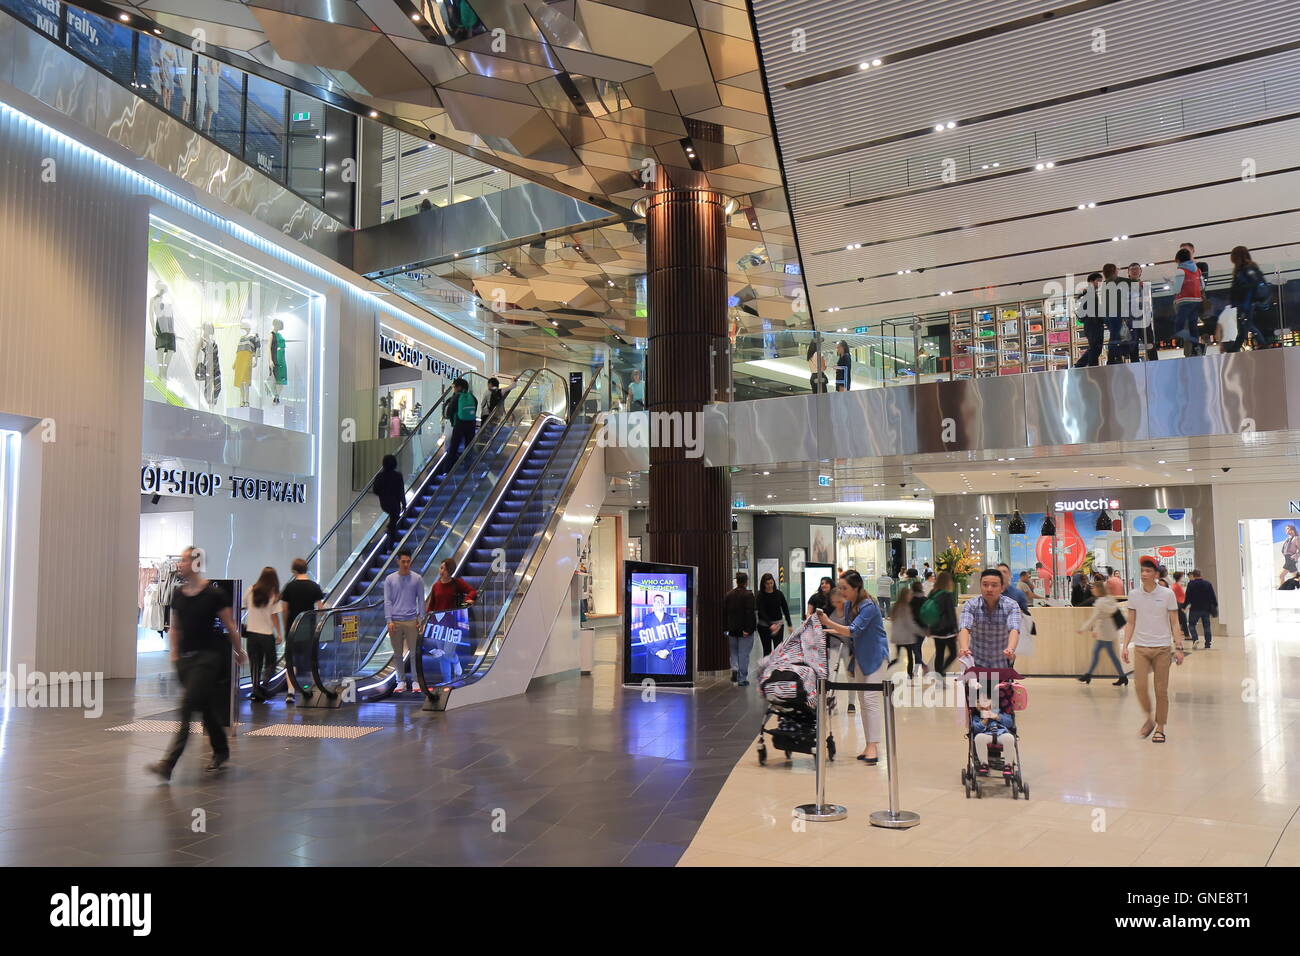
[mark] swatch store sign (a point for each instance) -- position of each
(1087, 504)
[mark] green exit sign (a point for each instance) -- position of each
(302, 117)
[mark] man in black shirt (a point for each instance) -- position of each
(301, 596)
(202, 655)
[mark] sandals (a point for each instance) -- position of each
(1158, 737)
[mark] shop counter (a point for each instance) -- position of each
(1059, 649)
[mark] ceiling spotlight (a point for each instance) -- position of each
(415, 17)
(1160, 462)
(938, 127)
(1083, 205)
(1092, 205)
(875, 62)
(124, 18)
(863, 65)
(951, 125)
(374, 114)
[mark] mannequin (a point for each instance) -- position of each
(207, 366)
(164, 327)
(278, 369)
(246, 356)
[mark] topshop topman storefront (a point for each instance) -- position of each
(172, 372)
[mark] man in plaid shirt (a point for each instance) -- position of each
(990, 624)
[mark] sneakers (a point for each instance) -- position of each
(290, 699)
(161, 769)
(217, 764)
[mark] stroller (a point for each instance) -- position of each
(788, 682)
(1011, 698)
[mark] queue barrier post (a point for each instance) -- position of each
(821, 811)
(893, 818)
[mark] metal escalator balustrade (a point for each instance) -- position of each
(349, 641)
(458, 647)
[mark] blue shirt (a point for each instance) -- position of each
(867, 632)
(1018, 596)
(637, 391)
(403, 596)
(989, 629)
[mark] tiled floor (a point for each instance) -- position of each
(1224, 789)
(578, 772)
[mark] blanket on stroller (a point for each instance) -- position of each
(788, 676)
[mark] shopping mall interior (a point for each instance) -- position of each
(590, 308)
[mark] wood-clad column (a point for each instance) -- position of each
(687, 367)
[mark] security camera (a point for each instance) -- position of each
(1226, 470)
(902, 484)
(862, 279)
(916, 496)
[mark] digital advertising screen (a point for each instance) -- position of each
(658, 629)
(812, 579)
(445, 645)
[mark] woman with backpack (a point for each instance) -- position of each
(939, 614)
(1249, 291)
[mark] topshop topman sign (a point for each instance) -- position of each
(156, 479)
(409, 354)
(1086, 504)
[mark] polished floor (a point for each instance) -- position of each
(1224, 789)
(579, 772)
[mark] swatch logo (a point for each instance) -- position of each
(1087, 504)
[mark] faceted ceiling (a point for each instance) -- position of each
(579, 95)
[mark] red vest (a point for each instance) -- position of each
(1191, 283)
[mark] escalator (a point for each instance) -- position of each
(493, 538)
(353, 553)
(348, 654)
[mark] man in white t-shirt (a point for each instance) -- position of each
(1152, 623)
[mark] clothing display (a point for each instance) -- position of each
(164, 324)
(279, 367)
(158, 583)
(245, 355)
(207, 369)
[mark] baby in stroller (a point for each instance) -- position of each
(994, 743)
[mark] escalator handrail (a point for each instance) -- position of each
(367, 490)
(315, 657)
(363, 601)
(471, 463)
(526, 560)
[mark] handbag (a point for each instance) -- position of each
(1118, 619)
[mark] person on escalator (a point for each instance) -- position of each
(390, 487)
(462, 409)
(449, 593)
(301, 596)
(495, 398)
(403, 595)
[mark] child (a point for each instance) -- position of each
(989, 725)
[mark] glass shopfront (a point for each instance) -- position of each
(1088, 541)
(224, 336)
(860, 545)
(1270, 551)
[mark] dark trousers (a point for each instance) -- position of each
(1117, 350)
(914, 655)
(768, 639)
(1182, 620)
(200, 675)
(462, 433)
(261, 660)
(394, 511)
(1246, 325)
(1204, 617)
(1092, 330)
(945, 652)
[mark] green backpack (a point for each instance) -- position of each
(931, 611)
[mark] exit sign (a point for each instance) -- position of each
(824, 481)
(302, 117)
(738, 503)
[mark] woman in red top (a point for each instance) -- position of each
(1180, 595)
(448, 592)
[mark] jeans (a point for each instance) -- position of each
(945, 652)
(741, 647)
(1118, 348)
(1092, 330)
(1156, 662)
(1186, 316)
(462, 433)
(884, 603)
(200, 673)
(1195, 616)
(1109, 648)
(1246, 325)
(261, 661)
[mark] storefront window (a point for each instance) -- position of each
(860, 545)
(223, 336)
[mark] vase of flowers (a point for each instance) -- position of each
(959, 561)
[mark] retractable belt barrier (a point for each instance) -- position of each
(823, 812)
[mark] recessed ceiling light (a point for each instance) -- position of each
(863, 65)
(415, 17)
(124, 18)
(951, 124)
(938, 127)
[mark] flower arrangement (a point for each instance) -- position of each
(959, 561)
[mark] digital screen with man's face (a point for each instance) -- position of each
(660, 619)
